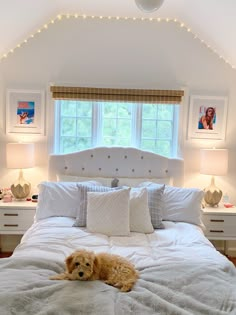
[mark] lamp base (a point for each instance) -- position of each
(212, 194)
(19, 191)
(21, 188)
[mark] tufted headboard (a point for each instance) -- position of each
(116, 162)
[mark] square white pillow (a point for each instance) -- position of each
(140, 218)
(108, 212)
(57, 199)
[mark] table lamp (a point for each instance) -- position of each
(20, 155)
(214, 162)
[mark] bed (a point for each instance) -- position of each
(180, 272)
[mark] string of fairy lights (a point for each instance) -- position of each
(61, 17)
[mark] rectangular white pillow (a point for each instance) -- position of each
(140, 219)
(182, 204)
(155, 202)
(57, 199)
(108, 212)
(71, 178)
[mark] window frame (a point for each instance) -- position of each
(136, 125)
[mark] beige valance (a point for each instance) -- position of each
(117, 95)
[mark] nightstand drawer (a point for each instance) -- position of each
(16, 220)
(219, 220)
(220, 231)
(15, 214)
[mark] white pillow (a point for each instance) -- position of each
(57, 199)
(182, 204)
(136, 181)
(140, 219)
(108, 212)
(155, 202)
(94, 180)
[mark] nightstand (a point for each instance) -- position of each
(220, 224)
(16, 216)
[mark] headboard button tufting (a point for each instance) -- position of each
(65, 167)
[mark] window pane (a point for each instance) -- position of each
(84, 127)
(84, 109)
(165, 112)
(149, 111)
(68, 108)
(149, 129)
(164, 130)
(68, 127)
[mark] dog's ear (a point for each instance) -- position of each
(96, 267)
(69, 264)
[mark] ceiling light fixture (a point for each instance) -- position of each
(149, 5)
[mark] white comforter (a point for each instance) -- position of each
(180, 273)
(55, 237)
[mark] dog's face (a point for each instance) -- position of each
(81, 264)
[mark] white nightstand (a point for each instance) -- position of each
(16, 216)
(220, 224)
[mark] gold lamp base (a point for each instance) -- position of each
(212, 194)
(21, 188)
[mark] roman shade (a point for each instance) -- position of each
(117, 95)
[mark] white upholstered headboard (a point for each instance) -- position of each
(116, 162)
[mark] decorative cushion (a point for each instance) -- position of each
(140, 219)
(82, 205)
(57, 199)
(155, 202)
(108, 212)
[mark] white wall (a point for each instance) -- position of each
(114, 53)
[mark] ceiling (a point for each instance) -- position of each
(213, 21)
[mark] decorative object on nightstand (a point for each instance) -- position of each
(20, 155)
(149, 5)
(213, 162)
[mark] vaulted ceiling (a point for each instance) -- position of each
(213, 21)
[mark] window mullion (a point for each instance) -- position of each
(136, 125)
(97, 124)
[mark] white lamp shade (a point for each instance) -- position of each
(149, 5)
(20, 155)
(214, 162)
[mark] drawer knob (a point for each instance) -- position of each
(11, 214)
(214, 220)
(11, 225)
(217, 231)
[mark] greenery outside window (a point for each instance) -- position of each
(82, 124)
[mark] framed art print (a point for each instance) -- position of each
(207, 117)
(25, 112)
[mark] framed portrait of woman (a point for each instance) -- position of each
(207, 117)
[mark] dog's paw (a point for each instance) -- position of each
(61, 276)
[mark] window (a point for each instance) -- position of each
(84, 124)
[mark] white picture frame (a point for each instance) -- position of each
(25, 112)
(212, 126)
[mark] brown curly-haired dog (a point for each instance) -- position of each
(112, 269)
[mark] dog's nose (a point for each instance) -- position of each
(81, 274)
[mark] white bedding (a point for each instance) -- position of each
(181, 273)
(56, 238)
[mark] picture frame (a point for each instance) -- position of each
(25, 112)
(207, 117)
